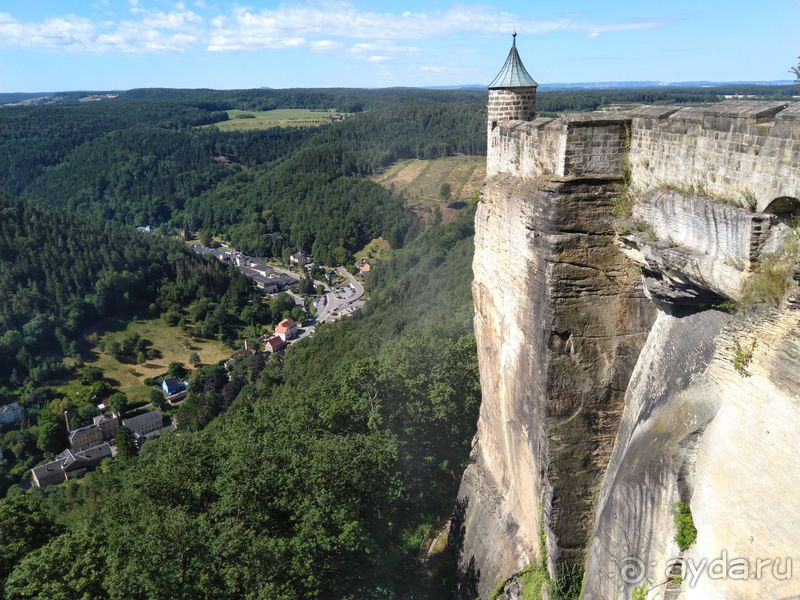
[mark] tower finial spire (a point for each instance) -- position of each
(514, 35)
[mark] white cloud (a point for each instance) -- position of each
(77, 34)
(343, 19)
(378, 58)
(288, 26)
(325, 45)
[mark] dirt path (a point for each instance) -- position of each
(435, 535)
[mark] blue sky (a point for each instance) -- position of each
(54, 45)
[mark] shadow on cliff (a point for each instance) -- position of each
(468, 575)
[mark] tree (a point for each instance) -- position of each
(157, 398)
(796, 71)
(140, 359)
(205, 238)
(118, 403)
(176, 369)
(194, 359)
(24, 527)
(52, 437)
(126, 444)
(444, 191)
(113, 349)
(91, 374)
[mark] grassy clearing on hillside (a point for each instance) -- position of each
(128, 377)
(422, 181)
(377, 249)
(285, 117)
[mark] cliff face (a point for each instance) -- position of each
(610, 387)
(560, 321)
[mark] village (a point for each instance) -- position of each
(339, 294)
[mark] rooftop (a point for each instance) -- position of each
(513, 73)
(147, 417)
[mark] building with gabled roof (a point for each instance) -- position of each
(287, 329)
(101, 429)
(69, 464)
(145, 423)
(274, 344)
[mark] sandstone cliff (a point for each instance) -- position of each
(614, 385)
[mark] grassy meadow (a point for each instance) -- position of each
(128, 377)
(422, 179)
(377, 249)
(284, 117)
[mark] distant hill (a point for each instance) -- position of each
(601, 85)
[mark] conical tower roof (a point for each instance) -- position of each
(513, 73)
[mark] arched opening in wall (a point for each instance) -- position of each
(784, 207)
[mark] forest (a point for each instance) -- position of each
(316, 475)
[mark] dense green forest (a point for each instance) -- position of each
(317, 480)
(145, 162)
(312, 476)
(61, 272)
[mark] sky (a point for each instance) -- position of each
(61, 45)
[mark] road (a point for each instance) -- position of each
(341, 302)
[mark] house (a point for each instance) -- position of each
(69, 464)
(108, 424)
(300, 257)
(365, 268)
(287, 329)
(172, 386)
(102, 429)
(140, 439)
(145, 229)
(274, 344)
(9, 413)
(262, 268)
(146, 423)
(85, 437)
(273, 285)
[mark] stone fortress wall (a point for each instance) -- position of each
(717, 150)
(609, 385)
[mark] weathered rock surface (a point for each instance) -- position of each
(698, 244)
(560, 320)
(609, 386)
(695, 430)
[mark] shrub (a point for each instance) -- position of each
(687, 532)
(743, 356)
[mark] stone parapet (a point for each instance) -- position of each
(580, 144)
(736, 149)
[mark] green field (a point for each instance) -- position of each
(422, 180)
(128, 377)
(377, 249)
(284, 117)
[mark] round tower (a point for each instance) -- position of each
(512, 94)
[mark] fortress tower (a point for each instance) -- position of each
(512, 94)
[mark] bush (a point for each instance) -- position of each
(687, 533)
(176, 369)
(172, 318)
